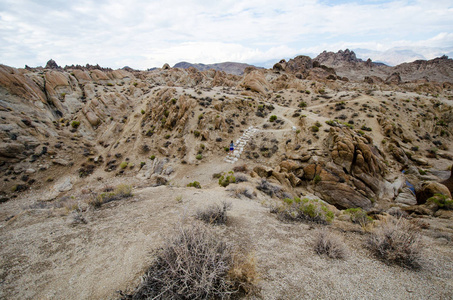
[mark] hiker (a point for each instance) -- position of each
(231, 147)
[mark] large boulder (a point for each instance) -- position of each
(429, 189)
(449, 182)
(256, 82)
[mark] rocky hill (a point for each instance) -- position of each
(347, 64)
(334, 130)
(227, 67)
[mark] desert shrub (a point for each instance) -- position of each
(120, 192)
(302, 104)
(304, 210)
(226, 179)
(196, 133)
(194, 184)
(272, 118)
(142, 111)
(75, 124)
(314, 128)
(441, 201)
(123, 165)
(358, 216)
(199, 156)
(241, 190)
(331, 123)
(396, 241)
(365, 128)
(329, 244)
(214, 214)
(269, 189)
(241, 178)
(241, 168)
(196, 264)
(317, 179)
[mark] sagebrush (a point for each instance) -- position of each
(397, 241)
(330, 245)
(305, 209)
(196, 264)
(214, 214)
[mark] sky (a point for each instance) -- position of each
(143, 34)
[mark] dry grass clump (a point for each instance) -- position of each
(330, 245)
(397, 241)
(120, 192)
(214, 214)
(270, 189)
(240, 191)
(196, 264)
(241, 168)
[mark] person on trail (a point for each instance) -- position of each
(231, 147)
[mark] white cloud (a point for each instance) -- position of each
(143, 34)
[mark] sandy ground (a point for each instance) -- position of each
(45, 256)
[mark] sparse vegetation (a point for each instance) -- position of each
(194, 184)
(317, 179)
(120, 192)
(358, 216)
(330, 245)
(196, 133)
(196, 264)
(441, 201)
(75, 124)
(214, 214)
(199, 156)
(397, 241)
(304, 210)
(123, 165)
(272, 118)
(270, 189)
(226, 179)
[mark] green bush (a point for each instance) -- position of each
(196, 133)
(152, 157)
(441, 201)
(142, 111)
(304, 210)
(365, 128)
(317, 179)
(302, 104)
(194, 184)
(75, 124)
(199, 156)
(123, 165)
(314, 128)
(358, 216)
(272, 118)
(226, 179)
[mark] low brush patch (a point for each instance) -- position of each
(197, 264)
(297, 209)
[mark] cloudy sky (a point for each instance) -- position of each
(143, 34)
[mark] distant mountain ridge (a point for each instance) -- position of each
(227, 67)
(347, 64)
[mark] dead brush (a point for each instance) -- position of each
(196, 264)
(240, 191)
(330, 245)
(214, 214)
(397, 241)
